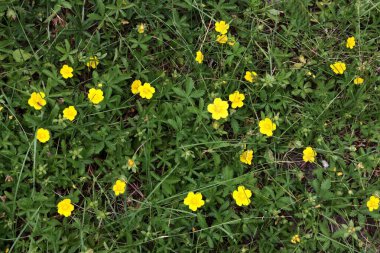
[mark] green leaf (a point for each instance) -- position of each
(202, 221)
(179, 92)
(20, 55)
(197, 94)
(326, 184)
(235, 126)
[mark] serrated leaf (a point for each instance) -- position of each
(179, 92)
(197, 94)
(326, 184)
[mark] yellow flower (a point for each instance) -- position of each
(267, 127)
(246, 157)
(194, 201)
(358, 80)
(373, 203)
(222, 39)
(131, 163)
(222, 27)
(43, 135)
(309, 154)
(140, 28)
(65, 207)
(135, 86)
(250, 76)
(350, 42)
(236, 99)
(338, 67)
(119, 187)
(66, 71)
(93, 62)
(219, 109)
(37, 100)
(199, 57)
(295, 239)
(146, 91)
(95, 96)
(242, 196)
(70, 113)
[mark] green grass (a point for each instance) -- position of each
(176, 144)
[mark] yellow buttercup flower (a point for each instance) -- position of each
(42, 135)
(95, 95)
(194, 200)
(146, 91)
(358, 80)
(119, 187)
(222, 39)
(135, 86)
(295, 239)
(141, 28)
(338, 67)
(236, 99)
(309, 154)
(93, 62)
(218, 109)
(65, 207)
(350, 42)
(373, 203)
(70, 113)
(66, 71)
(37, 100)
(222, 27)
(246, 157)
(267, 127)
(250, 76)
(199, 57)
(242, 196)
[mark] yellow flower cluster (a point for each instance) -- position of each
(340, 67)
(37, 100)
(250, 76)
(242, 197)
(295, 239)
(145, 91)
(93, 62)
(218, 109)
(222, 28)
